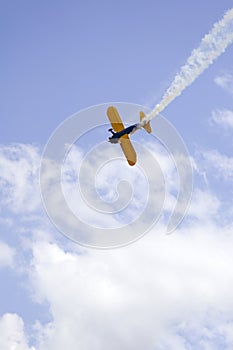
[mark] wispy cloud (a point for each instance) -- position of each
(222, 117)
(225, 81)
(221, 163)
(6, 255)
(19, 164)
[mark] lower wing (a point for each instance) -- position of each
(128, 150)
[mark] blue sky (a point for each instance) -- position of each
(57, 58)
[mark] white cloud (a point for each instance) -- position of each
(101, 174)
(223, 118)
(226, 331)
(19, 185)
(12, 336)
(6, 255)
(99, 188)
(159, 292)
(146, 295)
(19, 164)
(140, 296)
(204, 205)
(214, 335)
(225, 81)
(221, 163)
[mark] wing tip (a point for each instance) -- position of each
(111, 108)
(131, 163)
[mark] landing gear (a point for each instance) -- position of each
(111, 130)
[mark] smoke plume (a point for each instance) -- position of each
(212, 45)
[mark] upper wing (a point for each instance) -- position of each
(115, 119)
(128, 150)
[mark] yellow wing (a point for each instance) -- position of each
(128, 150)
(115, 119)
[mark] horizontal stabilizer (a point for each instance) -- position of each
(146, 126)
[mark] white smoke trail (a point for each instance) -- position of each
(212, 45)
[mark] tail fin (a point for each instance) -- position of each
(146, 126)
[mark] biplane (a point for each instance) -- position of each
(121, 135)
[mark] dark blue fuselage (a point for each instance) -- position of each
(117, 135)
